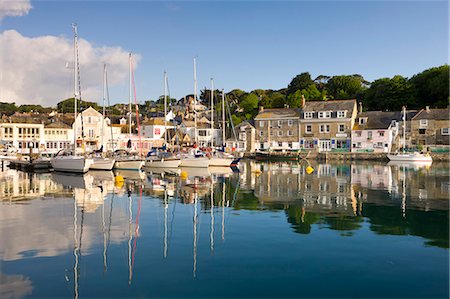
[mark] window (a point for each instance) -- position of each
(280, 144)
(261, 145)
(424, 122)
(261, 133)
(308, 115)
(242, 136)
(280, 122)
(91, 133)
(325, 114)
(341, 128)
(357, 133)
(89, 120)
(290, 122)
(381, 133)
(261, 124)
(324, 128)
(422, 131)
(308, 129)
(290, 133)
(290, 146)
(362, 120)
(369, 135)
(271, 133)
(280, 133)
(341, 114)
(445, 131)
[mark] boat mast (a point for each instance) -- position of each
(129, 93)
(75, 92)
(104, 100)
(165, 107)
(404, 128)
(195, 101)
(212, 112)
(223, 117)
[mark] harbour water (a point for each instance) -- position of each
(365, 230)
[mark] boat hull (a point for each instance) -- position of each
(103, 164)
(195, 162)
(75, 164)
(409, 158)
(221, 162)
(168, 163)
(129, 164)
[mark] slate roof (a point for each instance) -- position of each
(280, 113)
(433, 114)
(334, 105)
(58, 125)
(378, 119)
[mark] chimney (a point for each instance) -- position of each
(303, 101)
(360, 107)
(261, 109)
(427, 108)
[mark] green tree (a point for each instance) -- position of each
(346, 87)
(299, 82)
(388, 94)
(431, 87)
(294, 100)
(7, 108)
(249, 104)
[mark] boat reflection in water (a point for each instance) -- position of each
(130, 238)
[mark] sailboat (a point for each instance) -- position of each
(66, 160)
(219, 158)
(124, 159)
(195, 157)
(163, 158)
(102, 162)
(409, 157)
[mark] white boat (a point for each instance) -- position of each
(408, 157)
(65, 161)
(163, 159)
(412, 157)
(100, 163)
(129, 164)
(195, 158)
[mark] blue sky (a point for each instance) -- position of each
(250, 44)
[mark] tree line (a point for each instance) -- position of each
(427, 88)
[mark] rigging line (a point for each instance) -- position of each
(137, 109)
(231, 120)
(79, 89)
(110, 111)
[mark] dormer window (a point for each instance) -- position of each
(325, 114)
(362, 120)
(341, 114)
(308, 115)
(424, 122)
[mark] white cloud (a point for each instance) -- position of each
(14, 8)
(33, 70)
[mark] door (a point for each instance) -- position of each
(324, 145)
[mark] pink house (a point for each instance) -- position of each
(375, 131)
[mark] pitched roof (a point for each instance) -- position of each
(435, 114)
(155, 121)
(278, 113)
(378, 119)
(334, 105)
(58, 125)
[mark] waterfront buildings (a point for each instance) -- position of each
(431, 127)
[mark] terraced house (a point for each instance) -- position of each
(277, 129)
(430, 127)
(327, 125)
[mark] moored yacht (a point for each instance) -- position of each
(66, 161)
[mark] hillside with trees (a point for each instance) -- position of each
(427, 88)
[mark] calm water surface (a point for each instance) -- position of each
(271, 230)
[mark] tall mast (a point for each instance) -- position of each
(75, 92)
(129, 94)
(212, 112)
(165, 107)
(195, 100)
(223, 117)
(104, 100)
(404, 128)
